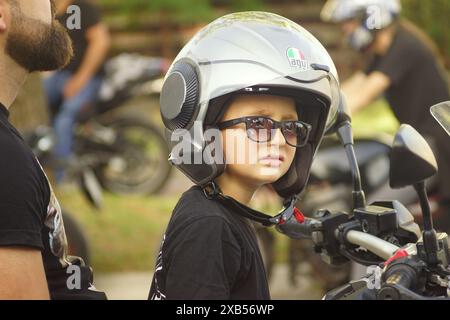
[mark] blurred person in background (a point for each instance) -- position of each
(76, 87)
(403, 64)
(33, 245)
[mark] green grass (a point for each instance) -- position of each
(126, 233)
(375, 118)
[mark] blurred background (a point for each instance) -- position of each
(117, 225)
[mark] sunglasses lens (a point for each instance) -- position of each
(259, 129)
(295, 133)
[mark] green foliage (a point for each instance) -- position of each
(374, 119)
(187, 11)
(433, 17)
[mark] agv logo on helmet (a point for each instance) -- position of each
(297, 59)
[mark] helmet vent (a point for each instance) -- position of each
(179, 100)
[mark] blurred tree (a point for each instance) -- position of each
(188, 11)
(171, 18)
(433, 18)
(170, 21)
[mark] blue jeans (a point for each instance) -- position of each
(65, 118)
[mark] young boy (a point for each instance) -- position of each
(247, 102)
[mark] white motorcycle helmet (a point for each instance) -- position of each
(248, 52)
(373, 15)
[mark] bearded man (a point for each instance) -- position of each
(33, 245)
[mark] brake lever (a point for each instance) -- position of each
(298, 227)
(353, 290)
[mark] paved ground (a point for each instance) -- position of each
(125, 285)
(136, 285)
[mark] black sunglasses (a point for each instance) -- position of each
(262, 129)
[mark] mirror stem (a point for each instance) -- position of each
(429, 234)
(346, 136)
(426, 211)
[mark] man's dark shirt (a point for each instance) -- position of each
(90, 16)
(417, 81)
(30, 216)
(208, 253)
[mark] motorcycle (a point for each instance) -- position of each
(115, 153)
(404, 262)
(330, 186)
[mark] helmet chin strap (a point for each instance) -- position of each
(213, 192)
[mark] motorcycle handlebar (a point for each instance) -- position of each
(377, 246)
(296, 230)
(304, 230)
(399, 278)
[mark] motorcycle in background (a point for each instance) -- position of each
(122, 154)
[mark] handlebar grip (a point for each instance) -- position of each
(298, 230)
(401, 275)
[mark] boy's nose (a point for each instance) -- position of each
(278, 138)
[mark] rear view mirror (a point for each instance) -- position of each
(441, 112)
(412, 160)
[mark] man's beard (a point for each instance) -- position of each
(37, 46)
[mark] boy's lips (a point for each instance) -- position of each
(272, 160)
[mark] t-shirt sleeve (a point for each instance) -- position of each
(21, 207)
(204, 261)
(19, 226)
(90, 15)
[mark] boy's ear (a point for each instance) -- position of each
(2, 16)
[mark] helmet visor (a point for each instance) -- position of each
(224, 77)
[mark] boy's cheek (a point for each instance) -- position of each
(257, 174)
(266, 175)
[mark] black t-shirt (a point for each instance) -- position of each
(90, 16)
(417, 81)
(30, 216)
(208, 253)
